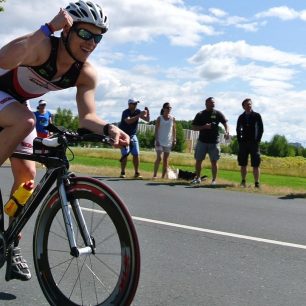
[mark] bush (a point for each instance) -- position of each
(180, 139)
(146, 139)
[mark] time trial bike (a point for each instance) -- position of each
(85, 246)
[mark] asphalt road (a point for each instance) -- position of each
(201, 246)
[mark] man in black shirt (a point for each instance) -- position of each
(249, 132)
(207, 123)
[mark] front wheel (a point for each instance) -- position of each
(107, 277)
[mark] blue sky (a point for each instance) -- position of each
(185, 51)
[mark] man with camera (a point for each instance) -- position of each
(129, 123)
(207, 123)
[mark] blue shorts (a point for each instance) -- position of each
(133, 148)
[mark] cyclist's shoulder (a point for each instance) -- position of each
(88, 75)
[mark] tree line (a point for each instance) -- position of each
(277, 147)
(1, 7)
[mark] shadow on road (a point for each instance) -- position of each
(187, 185)
(172, 183)
(292, 196)
(7, 296)
(211, 186)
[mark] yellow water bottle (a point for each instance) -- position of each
(19, 198)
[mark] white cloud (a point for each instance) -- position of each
(249, 27)
(282, 12)
(217, 12)
(243, 50)
(149, 19)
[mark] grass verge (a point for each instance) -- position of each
(105, 162)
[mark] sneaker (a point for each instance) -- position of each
(137, 175)
(257, 185)
(243, 184)
(17, 267)
(196, 181)
(213, 183)
(122, 174)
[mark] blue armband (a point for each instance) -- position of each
(46, 30)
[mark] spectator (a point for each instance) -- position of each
(129, 124)
(43, 118)
(249, 132)
(165, 138)
(207, 122)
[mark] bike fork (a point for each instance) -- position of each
(75, 251)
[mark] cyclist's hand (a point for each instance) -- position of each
(120, 139)
(61, 20)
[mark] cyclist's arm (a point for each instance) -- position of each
(85, 97)
(25, 50)
(34, 48)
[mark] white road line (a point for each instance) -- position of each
(205, 230)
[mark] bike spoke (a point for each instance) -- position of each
(78, 276)
(94, 280)
(59, 236)
(99, 223)
(106, 238)
(62, 263)
(106, 265)
(97, 278)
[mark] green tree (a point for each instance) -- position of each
(264, 147)
(180, 139)
(186, 125)
(234, 145)
(64, 117)
(146, 139)
(1, 7)
(278, 146)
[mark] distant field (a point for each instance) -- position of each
(279, 175)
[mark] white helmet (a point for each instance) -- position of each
(86, 11)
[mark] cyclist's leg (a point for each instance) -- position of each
(17, 267)
(23, 170)
(17, 121)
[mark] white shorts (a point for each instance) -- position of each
(165, 149)
(26, 146)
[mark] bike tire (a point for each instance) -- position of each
(61, 276)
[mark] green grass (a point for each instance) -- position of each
(107, 158)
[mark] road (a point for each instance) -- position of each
(201, 246)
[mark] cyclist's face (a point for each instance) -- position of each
(82, 48)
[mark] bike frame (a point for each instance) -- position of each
(57, 171)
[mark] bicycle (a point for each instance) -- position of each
(85, 246)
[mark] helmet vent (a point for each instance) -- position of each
(94, 14)
(84, 12)
(75, 14)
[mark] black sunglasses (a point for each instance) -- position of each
(87, 35)
(168, 107)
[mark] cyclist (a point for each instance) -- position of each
(35, 64)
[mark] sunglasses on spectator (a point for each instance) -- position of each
(87, 35)
(168, 107)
